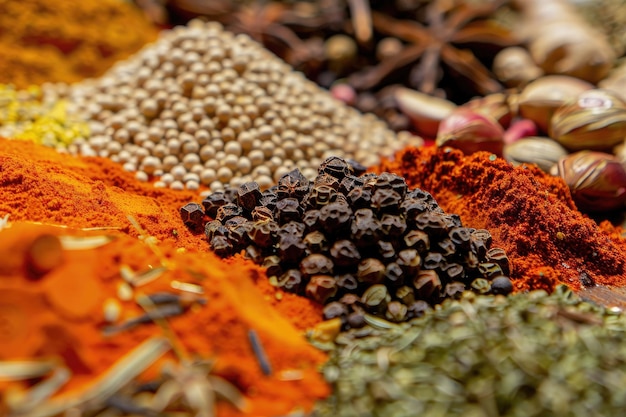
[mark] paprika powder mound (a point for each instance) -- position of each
(66, 40)
(37, 184)
(61, 314)
(530, 214)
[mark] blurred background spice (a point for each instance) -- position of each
(67, 40)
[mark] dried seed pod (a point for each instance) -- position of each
(288, 209)
(291, 280)
(316, 264)
(334, 309)
(427, 284)
(501, 285)
(424, 110)
(263, 233)
(596, 120)
(471, 131)
(396, 311)
(261, 213)
(545, 152)
(539, 100)
(214, 201)
(249, 195)
(370, 271)
(498, 256)
(228, 211)
(345, 253)
(316, 242)
(392, 225)
(596, 180)
(417, 239)
(409, 261)
(320, 288)
(192, 215)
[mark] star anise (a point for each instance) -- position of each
(437, 44)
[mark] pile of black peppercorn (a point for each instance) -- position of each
(356, 242)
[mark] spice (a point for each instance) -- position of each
(60, 316)
(524, 209)
(51, 41)
(377, 236)
(482, 355)
(202, 106)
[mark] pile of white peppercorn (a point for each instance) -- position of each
(204, 106)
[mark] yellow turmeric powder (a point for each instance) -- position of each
(66, 40)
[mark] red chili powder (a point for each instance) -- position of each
(529, 213)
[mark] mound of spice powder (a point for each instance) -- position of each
(530, 215)
(37, 184)
(65, 40)
(76, 298)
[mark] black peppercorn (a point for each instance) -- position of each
(432, 223)
(249, 195)
(348, 183)
(393, 182)
(427, 284)
(345, 253)
(347, 282)
(320, 288)
(316, 264)
(501, 285)
(335, 216)
(260, 213)
(288, 209)
(316, 242)
(215, 228)
(221, 246)
(335, 309)
(409, 261)
(292, 185)
(455, 272)
(446, 247)
(392, 225)
(291, 248)
(326, 180)
(268, 199)
(291, 280)
(365, 228)
(405, 294)
(498, 256)
(272, 265)
(480, 241)
(489, 269)
(417, 309)
(263, 233)
(228, 211)
(418, 240)
(453, 289)
(192, 215)
(214, 201)
(460, 236)
(253, 253)
(311, 220)
(320, 195)
(336, 167)
(386, 250)
(360, 197)
(356, 320)
(393, 274)
(434, 260)
(370, 271)
(386, 200)
(291, 228)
